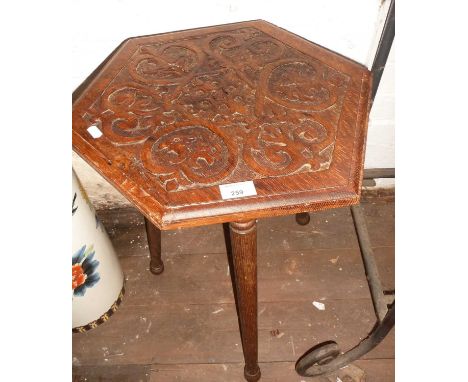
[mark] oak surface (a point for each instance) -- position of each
(169, 118)
(184, 112)
(153, 236)
(244, 254)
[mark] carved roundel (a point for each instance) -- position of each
(299, 85)
(224, 42)
(185, 155)
(133, 98)
(129, 113)
(255, 50)
(186, 109)
(266, 49)
(163, 65)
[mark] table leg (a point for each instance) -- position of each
(303, 218)
(153, 235)
(244, 252)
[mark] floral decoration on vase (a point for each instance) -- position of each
(84, 274)
(73, 205)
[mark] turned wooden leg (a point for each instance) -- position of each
(153, 235)
(244, 254)
(303, 218)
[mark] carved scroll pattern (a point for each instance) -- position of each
(185, 155)
(189, 108)
(289, 148)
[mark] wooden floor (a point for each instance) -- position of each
(182, 325)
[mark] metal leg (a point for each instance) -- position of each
(370, 266)
(326, 357)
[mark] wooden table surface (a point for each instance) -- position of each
(182, 113)
(170, 118)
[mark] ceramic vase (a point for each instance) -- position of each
(97, 278)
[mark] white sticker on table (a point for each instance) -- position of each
(94, 131)
(237, 190)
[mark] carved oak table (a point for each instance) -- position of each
(173, 120)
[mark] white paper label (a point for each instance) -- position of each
(237, 190)
(318, 305)
(94, 131)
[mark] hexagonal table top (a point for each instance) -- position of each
(169, 118)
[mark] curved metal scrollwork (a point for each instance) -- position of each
(326, 357)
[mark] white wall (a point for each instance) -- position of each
(99, 26)
(351, 28)
(380, 150)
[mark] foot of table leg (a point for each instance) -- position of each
(244, 254)
(252, 377)
(303, 218)
(153, 235)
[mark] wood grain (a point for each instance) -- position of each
(184, 112)
(186, 322)
(376, 370)
(244, 254)
(116, 373)
(153, 235)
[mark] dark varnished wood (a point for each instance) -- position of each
(303, 218)
(244, 254)
(183, 112)
(153, 235)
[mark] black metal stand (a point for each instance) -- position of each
(326, 357)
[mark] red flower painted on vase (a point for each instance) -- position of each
(78, 276)
(84, 273)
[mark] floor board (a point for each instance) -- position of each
(379, 370)
(182, 325)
